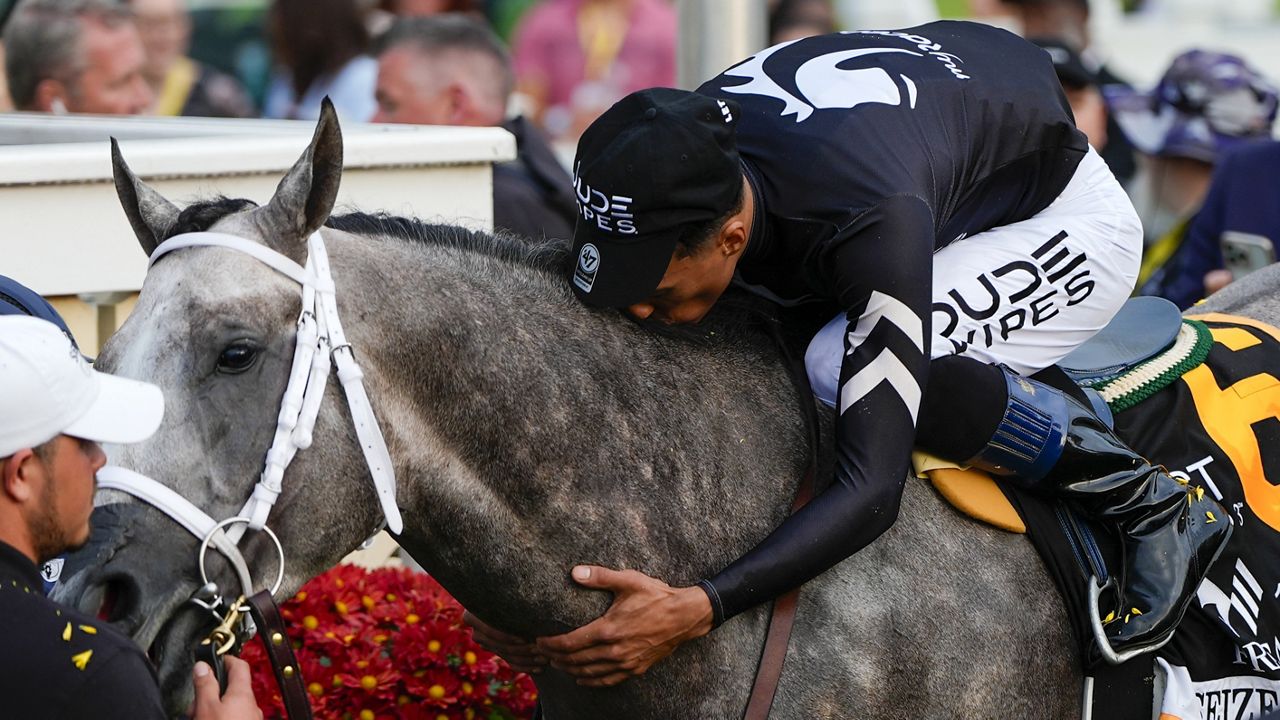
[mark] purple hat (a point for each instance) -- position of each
(1205, 103)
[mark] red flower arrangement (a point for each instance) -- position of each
(389, 643)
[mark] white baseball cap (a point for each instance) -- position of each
(47, 389)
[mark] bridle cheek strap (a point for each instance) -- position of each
(320, 343)
(374, 445)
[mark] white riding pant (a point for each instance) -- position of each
(1026, 294)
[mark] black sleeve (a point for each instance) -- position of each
(880, 268)
(122, 686)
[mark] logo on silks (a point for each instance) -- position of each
(584, 273)
(826, 81)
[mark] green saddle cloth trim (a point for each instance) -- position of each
(1189, 350)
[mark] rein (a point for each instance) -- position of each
(783, 614)
(321, 345)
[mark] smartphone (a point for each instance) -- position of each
(1242, 253)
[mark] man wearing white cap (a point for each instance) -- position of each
(54, 410)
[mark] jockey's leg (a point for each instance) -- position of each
(1023, 296)
(1049, 442)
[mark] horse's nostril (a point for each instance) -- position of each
(116, 597)
(108, 603)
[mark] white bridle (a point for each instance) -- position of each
(320, 344)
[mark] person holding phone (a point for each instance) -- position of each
(1206, 104)
(1240, 220)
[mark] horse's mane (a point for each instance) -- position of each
(736, 314)
(200, 216)
(548, 255)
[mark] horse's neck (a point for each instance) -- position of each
(530, 434)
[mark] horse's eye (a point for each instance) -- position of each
(237, 357)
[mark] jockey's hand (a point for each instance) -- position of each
(522, 655)
(236, 704)
(647, 622)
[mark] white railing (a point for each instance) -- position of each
(64, 233)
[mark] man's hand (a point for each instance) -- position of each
(647, 622)
(1215, 280)
(522, 655)
(236, 704)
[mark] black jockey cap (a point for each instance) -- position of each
(657, 162)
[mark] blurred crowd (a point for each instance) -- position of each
(1192, 151)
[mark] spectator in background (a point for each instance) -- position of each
(1068, 20)
(1205, 103)
(1081, 88)
(6, 9)
(81, 56)
(415, 8)
(320, 49)
(385, 12)
(795, 19)
(1243, 196)
(181, 85)
(1065, 19)
(452, 70)
(575, 58)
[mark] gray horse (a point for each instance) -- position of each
(528, 434)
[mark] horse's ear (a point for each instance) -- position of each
(149, 213)
(306, 195)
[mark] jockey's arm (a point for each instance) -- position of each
(881, 269)
(882, 273)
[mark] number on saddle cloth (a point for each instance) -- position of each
(1216, 428)
(1224, 441)
(1224, 438)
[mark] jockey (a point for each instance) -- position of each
(932, 184)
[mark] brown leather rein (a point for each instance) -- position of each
(280, 651)
(781, 619)
(783, 615)
(230, 634)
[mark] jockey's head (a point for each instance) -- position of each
(663, 213)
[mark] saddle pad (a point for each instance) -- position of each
(972, 492)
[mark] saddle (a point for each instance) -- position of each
(1127, 361)
(1146, 347)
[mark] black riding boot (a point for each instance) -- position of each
(1170, 532)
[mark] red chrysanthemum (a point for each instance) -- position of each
(389, 644)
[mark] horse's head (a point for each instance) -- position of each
(216, 330)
